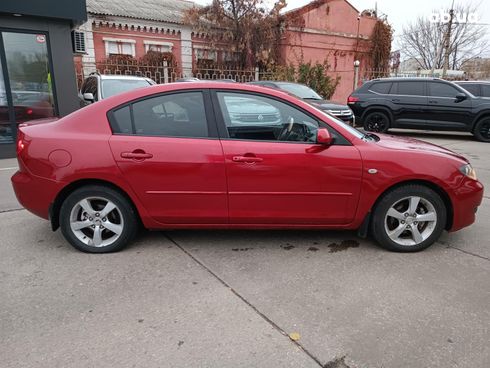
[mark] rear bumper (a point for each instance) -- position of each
(467, 199)
(34, 193)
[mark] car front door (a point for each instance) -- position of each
(445, 110)
(167, 149)
(276, 172)
(409, 100)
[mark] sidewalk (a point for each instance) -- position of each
(7, 197)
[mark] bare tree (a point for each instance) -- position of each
(249, 29)
(423, 39)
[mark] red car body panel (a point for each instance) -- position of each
(197, 183)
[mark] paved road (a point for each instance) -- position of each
(230, 298)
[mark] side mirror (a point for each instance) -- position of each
(323, 137)
(89, 97)
(461, 97)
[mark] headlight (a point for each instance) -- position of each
(468, 171)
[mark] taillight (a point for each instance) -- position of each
(21, 144)
(352, 99)
(29, 111)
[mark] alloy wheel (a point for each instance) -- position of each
(96, 221)
(410, 221)
(377, 123)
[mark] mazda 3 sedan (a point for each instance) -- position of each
(173, 156)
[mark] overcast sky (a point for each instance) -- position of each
(402, 12)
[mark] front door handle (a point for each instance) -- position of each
(395, 100)
(247, 159)
(433, 102)
(136, 155)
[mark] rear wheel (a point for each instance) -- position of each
(482, 130)
(97, 219)
(377, 122)
(409, 219)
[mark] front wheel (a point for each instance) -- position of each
(377, 122)
(482, 130)
(409, 219)
(97, 219)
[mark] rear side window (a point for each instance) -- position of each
(442, 90)
(172, 115)
(381, 88)
(474, 89)
(411, 88)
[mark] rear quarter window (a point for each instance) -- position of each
(474, 89)
(381, 88)
(120, 121)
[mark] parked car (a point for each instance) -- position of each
(170, 157)
(340, 111)
(476, 88)
(420, 103)
(99, 86)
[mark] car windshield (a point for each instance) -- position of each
(111, 87)
(300, 91)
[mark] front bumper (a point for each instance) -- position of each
(466, 200)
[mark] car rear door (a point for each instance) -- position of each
(445, 111)
(167, 148)
(277, 174)
(409, 100)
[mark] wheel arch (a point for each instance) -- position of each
(54, 210)
(435, 187)
(377, 108)
(481, 116)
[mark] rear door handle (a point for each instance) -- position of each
(395, 100)
(433, 102)
(247, 159)
(136, 155)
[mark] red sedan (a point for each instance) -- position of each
(222, 155)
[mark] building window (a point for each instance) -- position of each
(158, 46)
(205, 54)
(117, 46)
(231, 56)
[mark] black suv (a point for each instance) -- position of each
(476, 88)
(420, 103)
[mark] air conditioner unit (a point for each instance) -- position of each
(78, 39)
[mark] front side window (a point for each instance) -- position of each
(172, 115)
(254, 117)
(411, 88)
(90, 86)
(442, 90)
(485, 90)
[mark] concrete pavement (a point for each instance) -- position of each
(230, 298)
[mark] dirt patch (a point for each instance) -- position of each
(313, 249)
(337, 363)
(241, 249)
(344, 245)
(287, 246)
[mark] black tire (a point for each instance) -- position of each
(382, 223)
(377, 121)
(123, 217)
(482, 130)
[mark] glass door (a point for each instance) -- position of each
(25, 85)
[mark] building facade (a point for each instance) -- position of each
(331, 30)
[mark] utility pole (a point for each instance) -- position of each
(447, 42)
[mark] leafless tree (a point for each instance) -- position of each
(423, 39)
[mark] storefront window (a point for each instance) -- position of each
(5, 125)
(29, 75)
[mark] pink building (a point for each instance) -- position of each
(332, 30)
(322, 29)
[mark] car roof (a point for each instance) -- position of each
(126, 77)
(407, 79)
(472, 82)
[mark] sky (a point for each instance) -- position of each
(401, 12)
